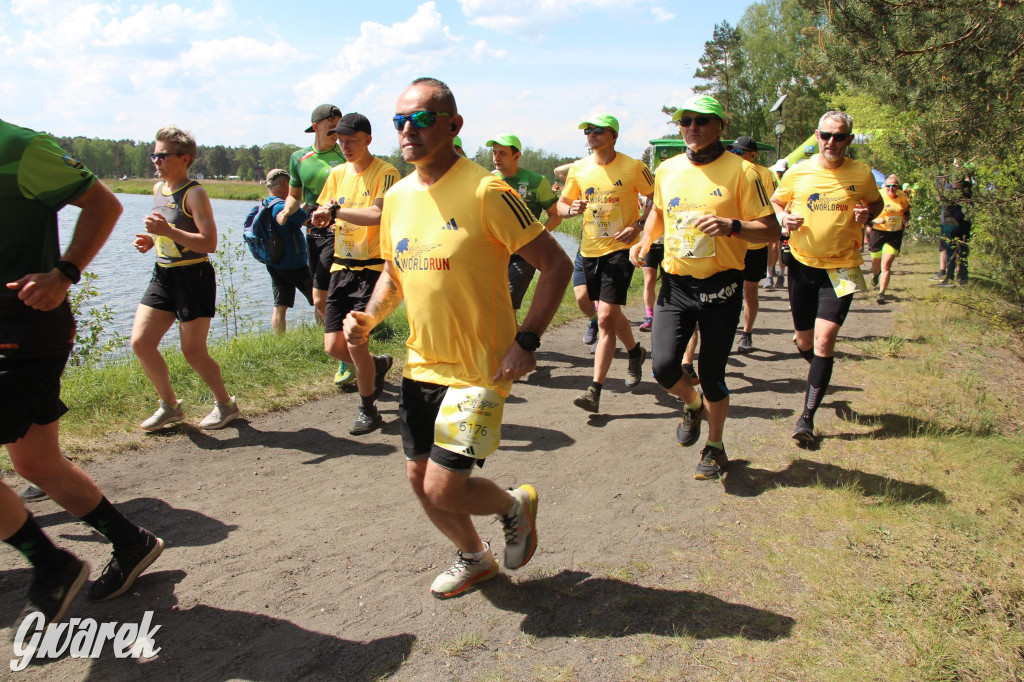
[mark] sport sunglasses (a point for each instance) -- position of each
(701, 121)
(162, 156)
(419, 119)
(839, 137)
(595, 130)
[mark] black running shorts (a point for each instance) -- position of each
(418, 405)
(188, 291)
(349, 290)
(286, 282)
(520, 274)
(608, 277)
(755, 265)
(320, 255)
(812, 296)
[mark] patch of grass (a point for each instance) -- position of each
(217, 189)
(896, 546)
(463, 644)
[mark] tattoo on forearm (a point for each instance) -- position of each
(385, 299)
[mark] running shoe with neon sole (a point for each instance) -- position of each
(165, 415)
(344, 375)
(221, 415)
(645, 326)
(125, 566)
(521, 528)
(713, 463)
(465, 573)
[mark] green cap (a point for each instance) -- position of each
(506, 139)
(457, 141)
(906, 185)
(601, 120)
(701, 104)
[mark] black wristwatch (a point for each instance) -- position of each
(736, 227)
(68, 269)
(528, 341)
(334, 211)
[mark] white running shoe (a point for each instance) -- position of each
(464, 574)
(165, 414)
(521, 528)
(221, 415)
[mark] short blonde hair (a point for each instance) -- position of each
(182, 140)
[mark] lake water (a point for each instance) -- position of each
(123, 273)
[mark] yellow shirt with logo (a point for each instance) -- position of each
(829, 236)
(728, 187)
(611, 192)
(891, 217)
(350, 189)
(450, 244)
(770, 181)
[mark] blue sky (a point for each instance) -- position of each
(238, 72)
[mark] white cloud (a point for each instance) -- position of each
(415, 45)
(532, 16)
(661, 14)
(164, 23)
(482, 51)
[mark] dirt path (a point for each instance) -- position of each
(297, 552)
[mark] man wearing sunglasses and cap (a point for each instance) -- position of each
(350, 204)
(535, 190)
(309, 168)
(755, 263)
(447, 231)
(824, 203)
(708, 206)
(604, 188)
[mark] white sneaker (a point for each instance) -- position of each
(221, 415)
(165, 414)
(521, 528)
(465, 573)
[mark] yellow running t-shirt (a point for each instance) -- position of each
(829, 237)
(728, 187)
(450, 244)
(611, 192)
(891, 217)
(770, 182)
(357, 190)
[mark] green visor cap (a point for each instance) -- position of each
(457, 141)
(701, 104)
(506, 139)
(601, 121)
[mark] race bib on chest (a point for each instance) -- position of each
(469, 421)
(603, 220)
(353, 241)
(683, 240)
(847, 281)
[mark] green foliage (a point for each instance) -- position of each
(92, 324)
(231, 261)
(721, 65)
(949, 75)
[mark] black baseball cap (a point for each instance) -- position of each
(745, 143)
(321, 112)
(351, 124)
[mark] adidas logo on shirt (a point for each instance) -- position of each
(851, 188)
(450, 225)
(618, 183)
(717, 192)
(366, 193)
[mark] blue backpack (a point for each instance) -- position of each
(260, 233)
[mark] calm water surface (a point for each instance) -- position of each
(123, 273)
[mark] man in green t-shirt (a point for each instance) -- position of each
(37, 179)
(536, 191)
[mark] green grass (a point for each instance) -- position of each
(884, 583)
